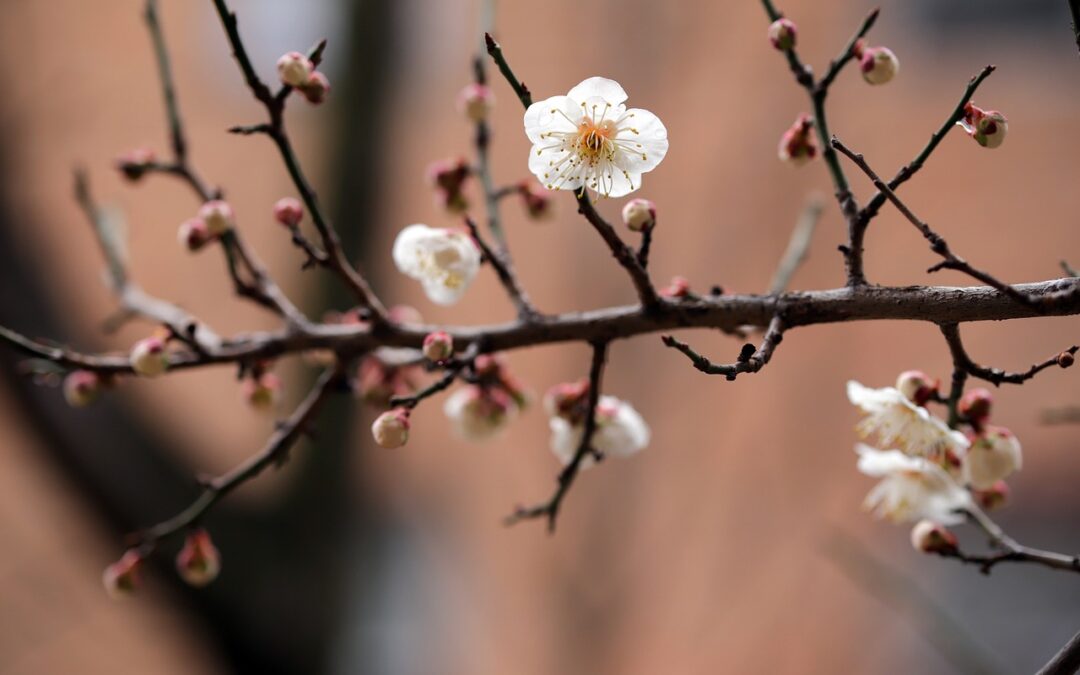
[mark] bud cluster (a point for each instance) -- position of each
(297, 71)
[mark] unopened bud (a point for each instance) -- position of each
(262, 393)
(538, 202)
(391, 429)
(567, 400)
(1065, 359)
(917, 386)
(294, 69)
(81, 388)
(476, 101)
(288, 211)
(122, 578)
(193, 234)
(135, 163)
(438, 346)
(993, 497)
(217, 215)
(930, 537)
(975, 405)
(678, 288)
(987, 127)
(149, 358)
(782, 33)
(316, 89)
(994, 454)
(198, 562)
(798, 145)
(639, 215)
(878, 64)
(448, 178)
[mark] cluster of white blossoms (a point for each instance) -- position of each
(929, 472)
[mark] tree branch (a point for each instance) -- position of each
(1010, 549)
(504, 269)
(799, 244)
(1067, 660)
(995, 375)
(623, 254)
(750, 360)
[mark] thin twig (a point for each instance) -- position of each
(451, 370)
(495, 52)
(623, 254)
(505, 271)
(799, 244)
(750, 360)
(996, 376)
(1010, 549)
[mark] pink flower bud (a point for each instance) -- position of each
(316, 89)
(489, 365)
(798, 144)
(288, 211)
(993, 497)
(476, 101)
(438, 346)
(294, 69)
(678, 288)
(193, 234)
(122, 578)
(917, 386)
(930, 537)
(782, 33)
(135, 163)
(81, 388)
(878, 64)
(639, 215)
(987, 127)
(975, 405)
(538, 202)
(198, 562)
(217, 215)
(149, 358)
(263, 392)
(448, 178)
(391, 429)
(568, 400)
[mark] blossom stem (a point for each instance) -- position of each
(996, 376)
(625, 255)
(504, 269)
(494, 49)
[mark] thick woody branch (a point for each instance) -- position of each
(550, 508)
(937, 244)
(275, 452)
(1067, 660)
(504, 269)
(336, 259)
(996, 376)
(750, 359)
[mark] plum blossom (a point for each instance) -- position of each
(589, 138)
(987, 127)
(896, 420)
(994, 454)
(911, 488)
(479, 413)
(444, 261)
(620, 431)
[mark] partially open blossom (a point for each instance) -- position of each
(193, 234)
(782, 34)
(987, 127)
(135, 163)
(897, 421)
(639, 215)
(81, 388)
(448, 177)
(444, 261)
(588, 138)
(994, 454)
(316, 89)
(930, 537)
(391, 429)
(878, 64)
(198, 562)
(993, 497)
(294, 69)
(538, 202)
(620, 432)
(975, 406)
(678, 288)
(288, 211)
(149, 357)
(438, 346)
(911, 488)
(123, 577)
(798, 144)
(479, 412)
(217, 215)
(476, 101)
(917, 386)
(262, 392)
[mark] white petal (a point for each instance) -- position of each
(609, 90)
(565, 440)
(553, 169)
(544, 116)
(874, 462)
(643, 150)
(613, 182)
(405, 247)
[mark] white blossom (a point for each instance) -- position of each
(911, 488)
(588, 138)
(994, 454)
(896, 421)
(444, 261)
(479, 413)
(620, 432)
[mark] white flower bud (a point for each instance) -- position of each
(917, 386)
(639, 215)
(294, 69)
(81, 388)
(438, 346)
(217, 215)
(930, 537)
(993, 455)
(391, 429)
(782, 34)
(149, 358)
(878, 64)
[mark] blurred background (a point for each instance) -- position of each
(735, 543)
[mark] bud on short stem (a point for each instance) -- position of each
(123, 577)
(288, 211)
(798, 144)
(193, 234)
(917, 386)
(294, 69)
(391, 429)
(678, 288)
(930, 537)
(316, 89)
(135, 163)
(639, 215)
(148, 357)
(217, 215)
(878, 64)
(81, 388)
(476, 101)
(975, 406)
(438, 346)
(782, 34)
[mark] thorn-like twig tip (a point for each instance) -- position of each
(490, 43)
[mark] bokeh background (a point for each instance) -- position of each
(735, 544)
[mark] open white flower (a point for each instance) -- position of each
(444, 261)
(588, 138)
(620, 431)
(896, 421)
(912, 488)
(478, 413)
(994, 454)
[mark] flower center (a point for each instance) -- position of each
(593, 136)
